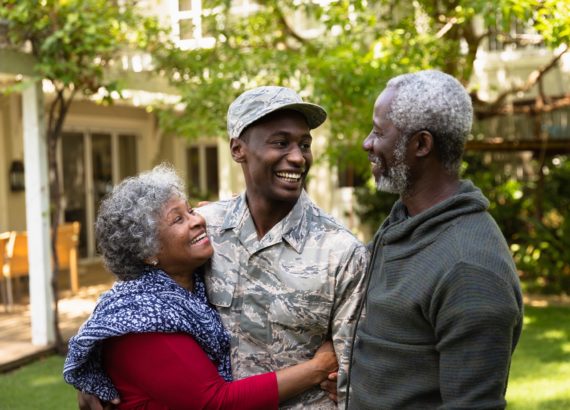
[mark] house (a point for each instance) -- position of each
(103, 144)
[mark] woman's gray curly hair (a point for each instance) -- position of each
(434, 101)
(128, 219)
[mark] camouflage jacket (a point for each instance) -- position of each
(282, 296)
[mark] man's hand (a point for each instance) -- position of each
(89, 402)
(330, 386)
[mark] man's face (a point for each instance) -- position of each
(276, 155)
(386, 149)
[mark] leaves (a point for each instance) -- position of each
(341, 53)
(75, 40)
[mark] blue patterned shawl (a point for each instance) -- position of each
(154, 302)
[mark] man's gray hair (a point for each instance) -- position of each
(128, 219)
(433, 101)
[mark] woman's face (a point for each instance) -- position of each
(184, 245)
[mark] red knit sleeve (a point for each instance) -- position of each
(170, 370)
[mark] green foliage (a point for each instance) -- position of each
(76, 41)
(542, 252)
(343, 61)
(536, 240)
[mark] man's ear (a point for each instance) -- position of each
(237, 149)
(423, 143)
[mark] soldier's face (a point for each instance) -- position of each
(275, 154)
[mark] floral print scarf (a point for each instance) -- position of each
(153, 302)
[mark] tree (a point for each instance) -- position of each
(352, 49)
(74, 43)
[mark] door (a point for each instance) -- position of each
(91, 164)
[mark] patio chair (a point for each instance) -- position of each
(4, 238)
(15, 264)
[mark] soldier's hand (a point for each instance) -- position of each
(90, 402)
(330, 386)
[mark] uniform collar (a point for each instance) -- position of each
(293, 228)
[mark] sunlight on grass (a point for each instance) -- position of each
(541, 364)
(45, 381)
(553, 334)
(528, 320)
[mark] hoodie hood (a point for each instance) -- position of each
(421, 228)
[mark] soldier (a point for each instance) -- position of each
(285, 276)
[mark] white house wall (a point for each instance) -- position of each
(498, 71)
(13, 215)
(4, 164)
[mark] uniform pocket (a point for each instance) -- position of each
(299, 318)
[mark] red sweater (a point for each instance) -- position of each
(171, 371)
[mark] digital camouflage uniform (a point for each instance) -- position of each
(282, 296)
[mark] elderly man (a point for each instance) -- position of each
(443, 303)
(285, 276)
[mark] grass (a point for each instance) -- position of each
(539, 371)
(38, 385)
(541, 364)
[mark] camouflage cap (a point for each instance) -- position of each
(257, 103)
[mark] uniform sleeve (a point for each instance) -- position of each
(478, 319)
(349, 290)
(166, 370)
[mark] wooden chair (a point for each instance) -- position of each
(4, 238)
(67, 244)
(15, 264)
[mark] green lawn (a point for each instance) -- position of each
(37, 386)
(540, 372)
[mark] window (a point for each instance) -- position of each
(91, 162)
(194, 21)
(202, 172)
(518, 34)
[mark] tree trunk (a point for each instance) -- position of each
(57, 113)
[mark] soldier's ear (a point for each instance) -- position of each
(237, 149)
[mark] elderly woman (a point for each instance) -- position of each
(154, 339)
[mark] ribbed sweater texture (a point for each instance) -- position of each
(443, 311)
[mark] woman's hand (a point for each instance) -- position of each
(325, 359)
(294, 380)
(89, 402)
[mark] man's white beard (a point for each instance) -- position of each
(396, 182)
(398, 175)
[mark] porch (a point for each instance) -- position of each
(15, 329)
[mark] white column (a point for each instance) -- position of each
(37, 216)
